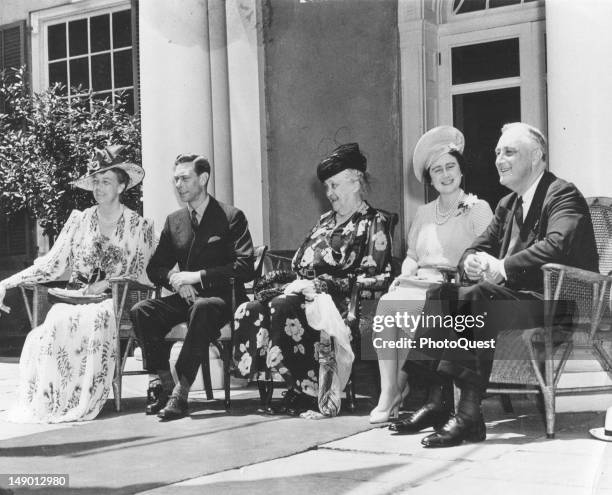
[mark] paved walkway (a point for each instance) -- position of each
(516, 458)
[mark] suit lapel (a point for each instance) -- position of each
(508, 225)
(530, 227)
(204, 229)
(184, 232)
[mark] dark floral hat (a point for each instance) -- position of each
(107, 159)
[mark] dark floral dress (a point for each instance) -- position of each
(275, 336)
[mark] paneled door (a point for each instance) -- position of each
(489, 78)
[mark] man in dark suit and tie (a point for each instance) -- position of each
(544, 220)
(211, 243)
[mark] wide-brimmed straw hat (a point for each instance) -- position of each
(604, 433)
(433, 144)
(106, 159)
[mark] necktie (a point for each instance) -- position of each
(518, 212)
(194, 220)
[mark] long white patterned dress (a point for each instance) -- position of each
(67, 363)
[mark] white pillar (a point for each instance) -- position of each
(175, 94)
(247, 112)
(222, 142)
(579, 50)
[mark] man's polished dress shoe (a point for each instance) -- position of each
(156, 399)
(175, 408)
(427, 416)
(456, 431)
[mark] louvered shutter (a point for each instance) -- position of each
(13, 234)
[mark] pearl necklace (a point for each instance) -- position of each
(443, 217)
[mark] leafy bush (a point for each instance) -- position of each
(46, 141)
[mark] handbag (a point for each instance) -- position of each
(272, 284)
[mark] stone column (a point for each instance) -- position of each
(175, 92)
(222, 142)
(247, 114)
(579, 50)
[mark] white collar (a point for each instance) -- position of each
(529, 194)
(201, 208)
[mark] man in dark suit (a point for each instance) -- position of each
(211, 243)
(544, 220)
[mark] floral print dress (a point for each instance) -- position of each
(275, 336)
(67, 363)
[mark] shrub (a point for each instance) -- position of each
(46, 141)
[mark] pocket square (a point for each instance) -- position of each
(213, 238)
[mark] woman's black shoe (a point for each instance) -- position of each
(157, 398)
(456, 431)
(429, 415)
(293, 404)
(289, 403)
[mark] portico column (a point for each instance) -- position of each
(222, 142)
(175, 94)
(579, 48)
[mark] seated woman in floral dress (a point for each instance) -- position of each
(440, 232)
(352, 238)
(67, 363)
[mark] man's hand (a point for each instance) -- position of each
(492, 267)
(179, 279)
(3, 307)
(473, 267)
(188, 293)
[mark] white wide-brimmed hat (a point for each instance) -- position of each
(107, 159)
(604, 433)
(433, 144)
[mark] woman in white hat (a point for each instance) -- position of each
(440, 232)
(67, 363)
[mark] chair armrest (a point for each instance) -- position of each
(132, 283)
(574, 273)
(448, 272)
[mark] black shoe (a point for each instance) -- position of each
(294, 403)
(289, 402)
(175, 408)
(456, 431)
(156, 399)
(427, 416)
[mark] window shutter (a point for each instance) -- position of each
(12, 48)
(136, 56)
(13, 234)
(13, 45)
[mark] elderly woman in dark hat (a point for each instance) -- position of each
(274, 335)
(67, 363)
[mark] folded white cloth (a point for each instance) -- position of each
(334, 369)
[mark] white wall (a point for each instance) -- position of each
(579, 52)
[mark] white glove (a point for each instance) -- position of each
(493, 268)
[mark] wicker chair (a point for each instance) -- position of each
(546, 350)
(125, 293)
(224, 342)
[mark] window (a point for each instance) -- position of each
(465, 6)
(90, 52)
